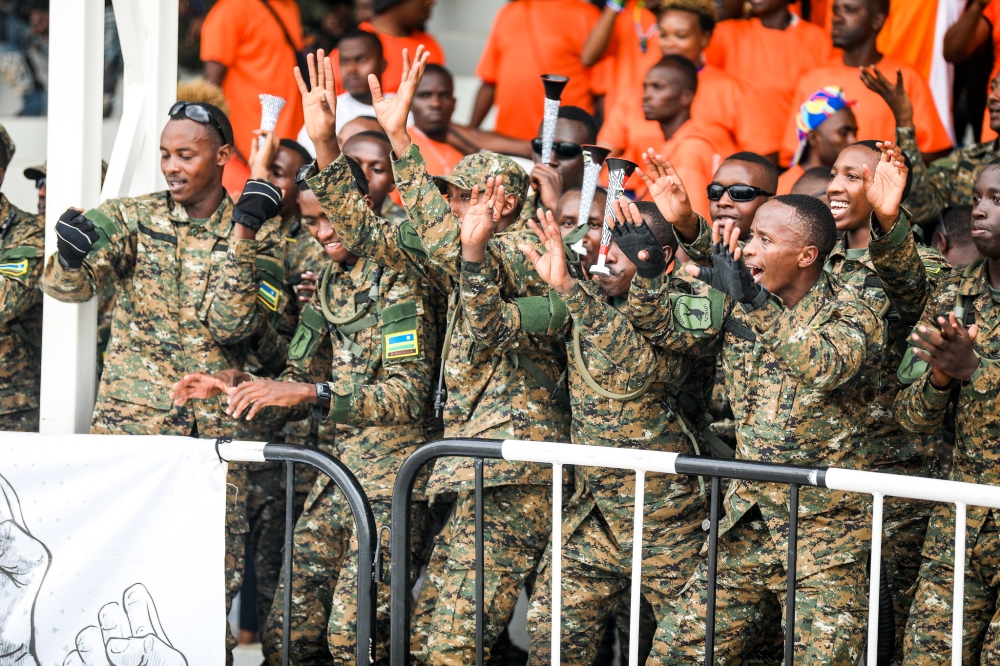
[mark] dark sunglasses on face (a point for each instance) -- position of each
(564, 150)
(736, 192)
(40, 183)
(198, 113)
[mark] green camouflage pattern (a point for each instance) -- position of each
(947, 182)
(920, 408)
(393, 212)
(22, 249)
(476, 169)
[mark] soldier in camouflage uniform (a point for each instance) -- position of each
(956, 344)
(489, 393)
(194, 292)
(800, 355)
(625, 393)
(22, 246)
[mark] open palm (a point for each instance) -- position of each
(551, 266)
(392, 112)
(319, 103)
(884, 188)
(483, 215)
(666, 188)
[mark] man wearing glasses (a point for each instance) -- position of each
(198, 280)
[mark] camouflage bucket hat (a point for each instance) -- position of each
(6, 143)
(476, 168)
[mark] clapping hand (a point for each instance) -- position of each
(948, 351)
(203, 386)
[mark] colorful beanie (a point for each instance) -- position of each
(821, 105)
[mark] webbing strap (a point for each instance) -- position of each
(593, 385)
(23, 334)
(556, 391)
(703, 423)
(359, 325)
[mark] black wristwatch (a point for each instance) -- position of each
(323, 398)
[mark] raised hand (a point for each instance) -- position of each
(551, 266)
(548, 183)
(948, 351)
(203, 386)
(319, 108)
(262, 157)
(728, 273)
(250, 397)
(482, 218)
(884, 188)
(894, 94)
(392, 112)
(636, 241)
(668, 193)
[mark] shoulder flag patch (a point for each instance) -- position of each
(269, 295)
(14, 268)
(401, 345)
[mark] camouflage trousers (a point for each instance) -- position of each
(905, 526)
(830, 606)
(324, 583)
(23, 421)
(517, 521)
(596, 575)
(928, 632)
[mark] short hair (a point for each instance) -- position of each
(680, 64)
(297, 148)
(872, 145)
(372, 39)
(818, 225)
(662, 230)
(957, 223)
(770, 170)
(375, 135)
(581, 116)
(359, 174)
(703, 9)
(879, 6)
(200, 90)
(218, 116)
(813, 177)
(434, 68)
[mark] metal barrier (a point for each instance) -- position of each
(364, 521)
(877, 484)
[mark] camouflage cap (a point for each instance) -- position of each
(38, 171)
(7, 144)
(476, 168)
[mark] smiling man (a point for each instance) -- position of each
(796, 347)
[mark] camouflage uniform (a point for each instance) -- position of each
(597, 523)
(380, 368)
(490, 394)
(921, 408)
(798, 380)
(190, 299)
(947, 182)
(393, 212)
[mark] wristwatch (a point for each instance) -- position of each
(323, 398)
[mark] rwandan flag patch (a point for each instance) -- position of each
(401, 345)
(14, 268)
(269, 296)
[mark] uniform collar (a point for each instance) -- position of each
(221, 222)
(814, 300)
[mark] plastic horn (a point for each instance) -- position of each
(554, 85)
(618, 172)
(270, 108)
(593, 161)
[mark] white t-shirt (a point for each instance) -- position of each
(348, 109)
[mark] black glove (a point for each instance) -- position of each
(76, 236)
(632, 238)
(732, 277)
(259, 203)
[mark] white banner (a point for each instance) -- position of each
(112, 551)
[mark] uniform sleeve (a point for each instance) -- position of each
(21, 268)
(920, 408)
(222, 32)
(899, 266)
(700, 249)
(667, 314)
(932, 137)
(111, 258)
(929, 194)
(825, 355)
(249, 288)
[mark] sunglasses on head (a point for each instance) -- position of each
(564, 150)
(198, 113)
(736, 192)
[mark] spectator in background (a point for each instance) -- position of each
(250, 47)
(433, 105)
(856, 25)
(357, 126)
(38, 174)
(528, 39)
(953, 238)
(564, 170)
(979, 24)
(190, 17)
(813, 183)
(768, 53)
(826, 126)
(325, 22)
(24, 55)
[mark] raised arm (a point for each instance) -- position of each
(667, 189)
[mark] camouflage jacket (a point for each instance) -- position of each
(947, 182)
(896, 277)
(190, 298)
(605, 346)
(393, 212)
(489, 392)
(798, 380)
(380, 368)
(22, 247)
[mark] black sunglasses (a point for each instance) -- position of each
(40, 183)
(736, 192)
(198, 113)
(564, 150)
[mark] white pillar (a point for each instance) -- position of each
(69, 334)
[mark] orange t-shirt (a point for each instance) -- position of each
(628, 65)
(695, 159)
(768, 62)
(787, 180)
(392, 51)
(245, 37)
(875, 119)
(530, 38)
(440, 158)
(714, 109)
(992, 14)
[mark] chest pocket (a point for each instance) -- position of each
(155, 277)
